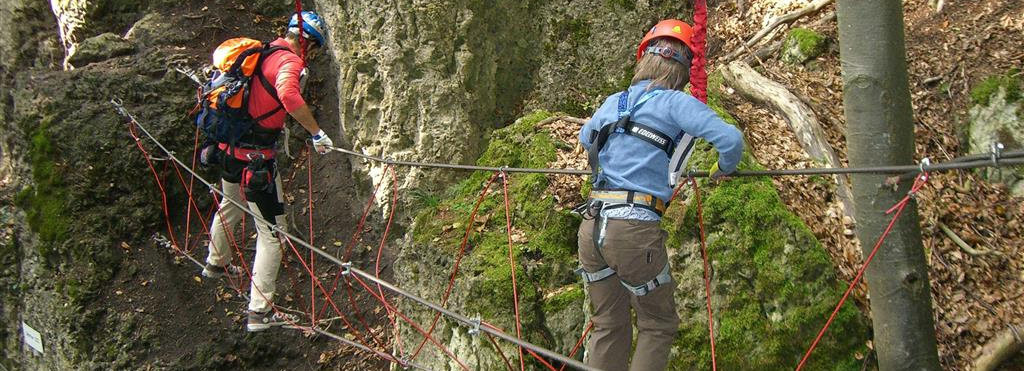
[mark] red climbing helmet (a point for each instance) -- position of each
(673, 28)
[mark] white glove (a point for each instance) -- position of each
(321, 142)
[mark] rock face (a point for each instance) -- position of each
(78, 20)
(100, 48)
(772, 281)
(425, 80)
(998, 117)
(802, 45)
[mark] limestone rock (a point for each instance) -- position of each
(154, 29)
(100, 48)
(427, 81)
(78, 20)
(1001, 120)
(802, 45)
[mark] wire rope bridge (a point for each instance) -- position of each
(375, 286)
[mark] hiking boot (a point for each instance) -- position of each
(230, 270)
(262, 321)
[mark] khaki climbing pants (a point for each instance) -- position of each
(270, 206)
(636, 251)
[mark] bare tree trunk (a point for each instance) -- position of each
(876, 101)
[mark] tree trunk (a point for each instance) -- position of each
(876, 101)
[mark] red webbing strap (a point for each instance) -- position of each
(698, 76)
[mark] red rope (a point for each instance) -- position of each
(536, 356)
(512, 265)
(500, 352)
(698, 75)
(302, 40)
(590, 326)
(458, 259)
(356, 238)
(380, 253)
(410, 322)
(188, 210)
(238, 251)
(309, 209)
(707, 276)
(160, 184)
(896, 210)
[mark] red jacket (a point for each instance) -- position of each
(282, 69)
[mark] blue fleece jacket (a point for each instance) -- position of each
(630, 163)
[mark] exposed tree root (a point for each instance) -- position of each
(1000, 348)
(798, 115)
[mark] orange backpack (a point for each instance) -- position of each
(224, 99)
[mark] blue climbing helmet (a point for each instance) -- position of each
(312, 26)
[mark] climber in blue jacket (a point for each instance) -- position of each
(638, 143)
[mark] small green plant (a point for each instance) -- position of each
(425, 199)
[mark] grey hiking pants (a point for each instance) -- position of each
(270, 206)
(636, 251)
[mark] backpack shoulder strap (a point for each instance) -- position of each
(264, 53)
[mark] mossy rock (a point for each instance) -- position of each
(773, 282)
(543, 247)
(802, 45)
(1010, 83)
(100, 48)
(998, 117)
(772, 285)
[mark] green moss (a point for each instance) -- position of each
(545, 251)
(45, 201)
(802, 45)
(572, 296)
(1010, 82)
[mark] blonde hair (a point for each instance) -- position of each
(664, 72)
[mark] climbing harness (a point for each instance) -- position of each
(678, 154)
(594, 209)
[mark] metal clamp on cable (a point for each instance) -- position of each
(405, 361)
(996, 150)
(119, 106)
(924, 162)
(346, 268)
(475, 330)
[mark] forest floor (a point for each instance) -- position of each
(949, 52)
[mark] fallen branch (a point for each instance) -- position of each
(960, 242)
(1000, 348)
(775, 23)
(798, 115)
